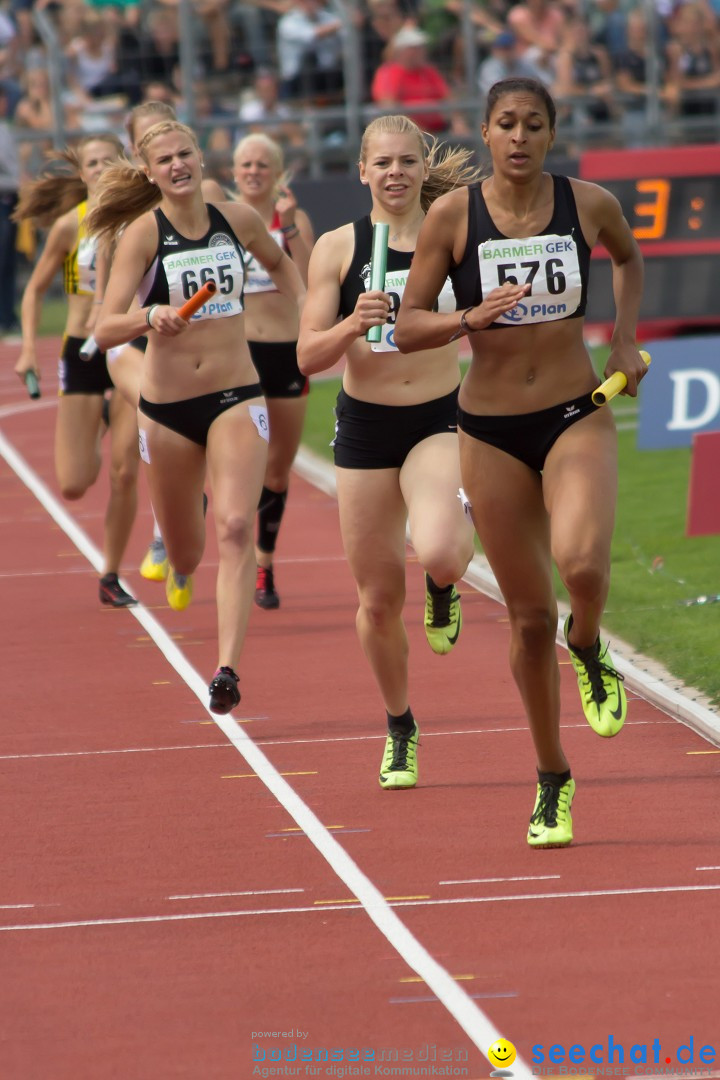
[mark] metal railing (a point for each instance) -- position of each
(333, 132)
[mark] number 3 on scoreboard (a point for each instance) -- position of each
(656, 211)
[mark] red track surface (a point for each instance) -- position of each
(123, 807)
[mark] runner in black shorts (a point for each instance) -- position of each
(272, 327)
(176, 242)
(125, 361)
(65, 198)
(396, 451)
(539, 460)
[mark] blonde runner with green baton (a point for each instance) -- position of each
(396, 446)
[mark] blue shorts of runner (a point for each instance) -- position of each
(529, 437)
(77, 376)
(369, 436)
(277, 368)
(193, 417)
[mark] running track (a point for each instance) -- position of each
(174, 886)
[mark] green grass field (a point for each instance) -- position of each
(656, 567)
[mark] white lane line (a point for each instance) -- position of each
(473, 1021)
(488, 880)
(320, 740)
(27, 406)
(398, 935)
(102, 753)
(214, 895)
(707, 867)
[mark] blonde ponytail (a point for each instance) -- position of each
(449, 167)
(124, 192)
(60, 186)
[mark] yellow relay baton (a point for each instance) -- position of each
(614, 384)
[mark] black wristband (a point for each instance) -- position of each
(464, 328)
(463, 322)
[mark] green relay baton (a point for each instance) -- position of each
(378, 268)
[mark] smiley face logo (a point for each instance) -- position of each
(501, 1054)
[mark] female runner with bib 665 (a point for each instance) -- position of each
(201, 406)
(538, 459)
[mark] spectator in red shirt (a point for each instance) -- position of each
(408, 79)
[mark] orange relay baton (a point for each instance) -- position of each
(614, 384)
(196, 301)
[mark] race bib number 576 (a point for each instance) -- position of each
(548, 264)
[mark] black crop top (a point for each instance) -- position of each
(181, 266)
(357, 281)
(555, 263)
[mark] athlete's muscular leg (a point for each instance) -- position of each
(514, 529)
(580, 487)
(286, 417)
(372, 522)
(176, 475)
(236, 458)
(77, 443)
(124, 463)
(440, 530)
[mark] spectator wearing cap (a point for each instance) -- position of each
(408, 79)
(504, 62)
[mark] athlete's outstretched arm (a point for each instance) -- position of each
(116, 323)
(441, 242)
(627, 277)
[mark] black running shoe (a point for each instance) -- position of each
(265, 595)
(113, 594)
(224, 692)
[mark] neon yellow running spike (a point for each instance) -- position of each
(601, 687)
(551, 821)
(178, 589)
(443, 618)
(154, 566)
(399, 767)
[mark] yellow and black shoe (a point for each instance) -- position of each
(443, 616)
(154, 566)
(551, 821)
(178, 589)
(601, 687)
(399, 768)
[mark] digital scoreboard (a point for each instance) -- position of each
(671, 199)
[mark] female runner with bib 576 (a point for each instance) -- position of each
(538, 458)
(201, 407)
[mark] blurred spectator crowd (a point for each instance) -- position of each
(262, 64)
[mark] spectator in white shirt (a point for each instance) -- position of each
(309, 47)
